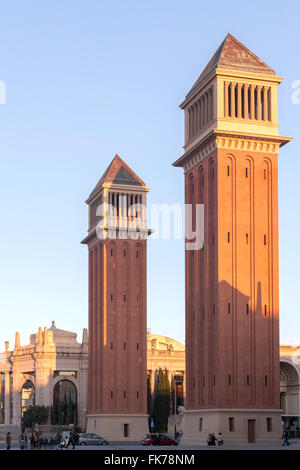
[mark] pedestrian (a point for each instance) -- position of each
(58, 439)
(35, 439)
(220, 439)
(71, 440)
(22, 441)
(51, 443)
(213, 439)
(285, 438)
(8, 441)
(67, 438)
(32, 440)
(209, 440)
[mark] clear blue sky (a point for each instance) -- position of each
(88, 79)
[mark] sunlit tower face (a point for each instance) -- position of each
(232, 312)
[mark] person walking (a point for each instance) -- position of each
(213, 439)
(22, 441)
(220, 439)
(209, 440)
(35, 440)
(71, 440)
(8, 441)
(285, 437)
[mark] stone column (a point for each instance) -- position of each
(246, 110)
(239, 100)
(265, 91)
(259, 102)
(226, 105)
(7, 399)
(232, 99)
(252, 104)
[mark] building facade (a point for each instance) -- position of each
(117, 244)
(230, 163)
(51, 370)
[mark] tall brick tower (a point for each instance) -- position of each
(232, 311)
(117, 238)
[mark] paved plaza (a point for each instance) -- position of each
(135, 446)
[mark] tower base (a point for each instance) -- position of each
(118, 427)
(238, 426)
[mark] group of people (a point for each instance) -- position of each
(37, 442)
(213, 440)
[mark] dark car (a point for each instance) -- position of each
(158, 440)
(89, 439)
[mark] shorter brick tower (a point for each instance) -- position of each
(117, 242)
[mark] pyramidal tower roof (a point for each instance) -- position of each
(233, 55)
(118, 172)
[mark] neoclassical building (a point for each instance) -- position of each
(166, 353)
(51, 370)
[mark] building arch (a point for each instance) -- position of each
(65, 401)
(289, 390)
(27, 395)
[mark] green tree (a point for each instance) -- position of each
(36, 415)
(161, 407)
(173, 404)
(149, 397)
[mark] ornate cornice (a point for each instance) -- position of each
(232, 141)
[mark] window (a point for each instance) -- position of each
(228, 170)
(124, 346)
(247, 238)
(126, 430)
(266, 380)
(124, 297)
(200, 424)
(247, 309)
(231, 424)
(137, 394)
(229, 379)
(246, 172)
(124, 393)
(269, 424)
(111, 394)
(228, 237)
(248, 380)
(111, 297)
(265, 310)
(228, 307)
(265, 239)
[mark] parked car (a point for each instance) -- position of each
(89, 439)
(158, 440)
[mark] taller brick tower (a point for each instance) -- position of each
(117, 382)
(232, 311)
